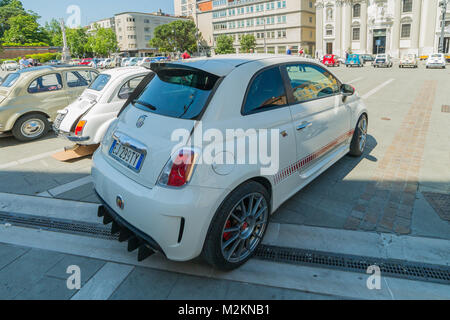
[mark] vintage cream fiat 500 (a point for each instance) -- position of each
(173, 179)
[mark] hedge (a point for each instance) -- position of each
(14, 44)
(42, 57)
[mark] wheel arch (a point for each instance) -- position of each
(13, 120)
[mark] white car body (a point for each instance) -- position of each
(176, 220)
(98, 108)
(106, 63)
(131, 62)
(383, 60)
(409, 60)
(145, 62)
(436, 60)
(10, 66)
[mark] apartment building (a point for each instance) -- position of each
(104, 23)
(276, 25)
(134, 30)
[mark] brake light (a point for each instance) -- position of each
(79, 128)
(179, 169)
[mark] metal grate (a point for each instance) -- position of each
(58, 225)
(391, 267)
(445, 108)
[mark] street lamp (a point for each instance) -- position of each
(443, 5)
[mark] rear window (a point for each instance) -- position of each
(177, 92)
(100, 82)
(10, 80)
(436, 56)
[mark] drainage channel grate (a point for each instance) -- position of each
(391, 267)
(344, 262)
(58, 225)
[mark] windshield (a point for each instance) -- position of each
(100, 82)
(436, 56)
(178, 93)
(10, 80)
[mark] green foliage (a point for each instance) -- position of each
(8, 9)
(15, 44)
(225, 45)
(177, 36)
(25, 29)
(102, 42)
(248, 43)
(42, 57)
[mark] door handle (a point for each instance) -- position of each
(304, 125)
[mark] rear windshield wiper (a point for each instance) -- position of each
(145, 104)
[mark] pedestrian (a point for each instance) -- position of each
(185, 55)
(289, 51)
(23, 63)
(346, 55)
(300, 52)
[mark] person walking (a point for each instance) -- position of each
(289, 51)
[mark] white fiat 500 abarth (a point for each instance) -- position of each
(86, 120)
(197, 195)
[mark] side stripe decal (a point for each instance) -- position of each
(301, 164)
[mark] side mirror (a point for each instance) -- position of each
(347, 90)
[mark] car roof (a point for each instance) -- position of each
(222, 65)
(43, 69)
(116, 72)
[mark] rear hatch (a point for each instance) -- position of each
(140, 143)
(72, 113)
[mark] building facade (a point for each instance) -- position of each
(276, 25)
(134, 30)
(395, 27)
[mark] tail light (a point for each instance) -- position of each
(79, 128)
(179, 169)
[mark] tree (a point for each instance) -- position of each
(53, 29)
(8, 9)
(176, 36)
(102, 42)
(248, 43)
(25, 29)
(225, 45)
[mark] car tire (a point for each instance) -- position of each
(218, 240)
(31, 127)
(359, 139)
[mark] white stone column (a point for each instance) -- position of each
(338, 29)
(319, 29)
(346, 26)
(427, 27)
(415, 28)
(363, 26)
(395, 34)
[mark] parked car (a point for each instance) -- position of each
(75, 62)
(9, 65)
(436, 60)
(124, 62)
(354, 60)
(409, 60)
(146, 62)
(30, 98)
(54, 62)
(160, 196)
(86, 120)
(106, 63)
(331, 60)
(85, 62)
(383, 60)
(367, 58)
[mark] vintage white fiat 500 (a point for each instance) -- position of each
(86, 120)
(205, 152)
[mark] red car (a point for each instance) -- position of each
(85, 62)
(331, 60)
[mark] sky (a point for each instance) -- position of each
(93, 10)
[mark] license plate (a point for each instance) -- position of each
(59, 118)
(127, 155)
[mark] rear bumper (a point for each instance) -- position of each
(69, 136)
(175, 221)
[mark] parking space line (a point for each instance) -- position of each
(355, 80)
(66, 187)
(103, 284)
(376, 89)
(30, 159)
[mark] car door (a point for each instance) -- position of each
(321, 118)
(266, 107)
(77, 81)
(48, 92)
